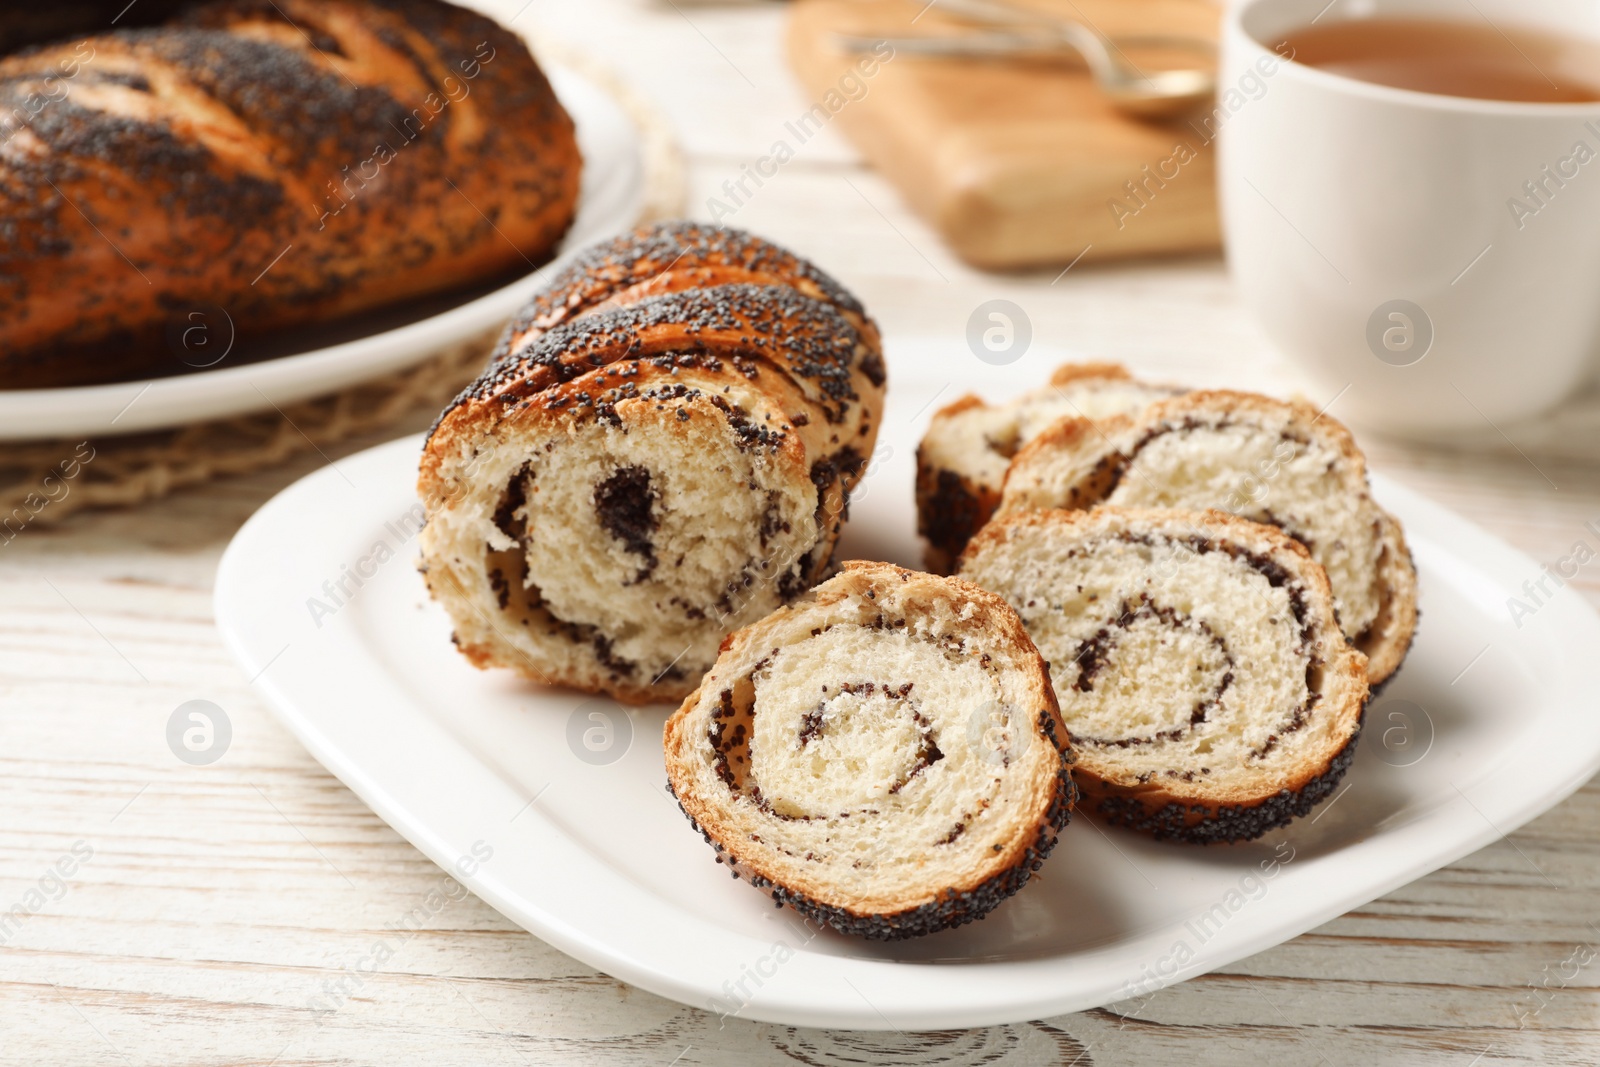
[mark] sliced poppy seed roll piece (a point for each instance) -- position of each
(884, 755)
(665, 463)
(1207, 690)
(962, 460)
(1271, 461)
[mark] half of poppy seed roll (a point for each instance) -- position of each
(884, 755)
(648, 464)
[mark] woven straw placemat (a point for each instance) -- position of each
(42, 482)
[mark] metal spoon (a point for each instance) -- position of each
(1129, 88)
(1157, 95)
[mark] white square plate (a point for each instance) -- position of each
(557, 799)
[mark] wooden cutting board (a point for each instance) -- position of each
(1017, 164)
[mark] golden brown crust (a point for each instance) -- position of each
(1209, 822)
(1070, 433)
(665, 258)
(1389, 638)
(1077, 372)
(810, 341)
(357, 148)
(960, 404)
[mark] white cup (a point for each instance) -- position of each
(1376, 232)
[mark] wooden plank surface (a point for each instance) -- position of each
(233, 914)
(1015, 164)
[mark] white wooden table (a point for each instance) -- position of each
(220, 903)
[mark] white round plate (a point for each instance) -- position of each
(557, 799)
(344, 353)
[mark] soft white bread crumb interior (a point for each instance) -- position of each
(663, 603)
(872, 750)
(1262, 459)
(1190, 650)
(586, 547)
